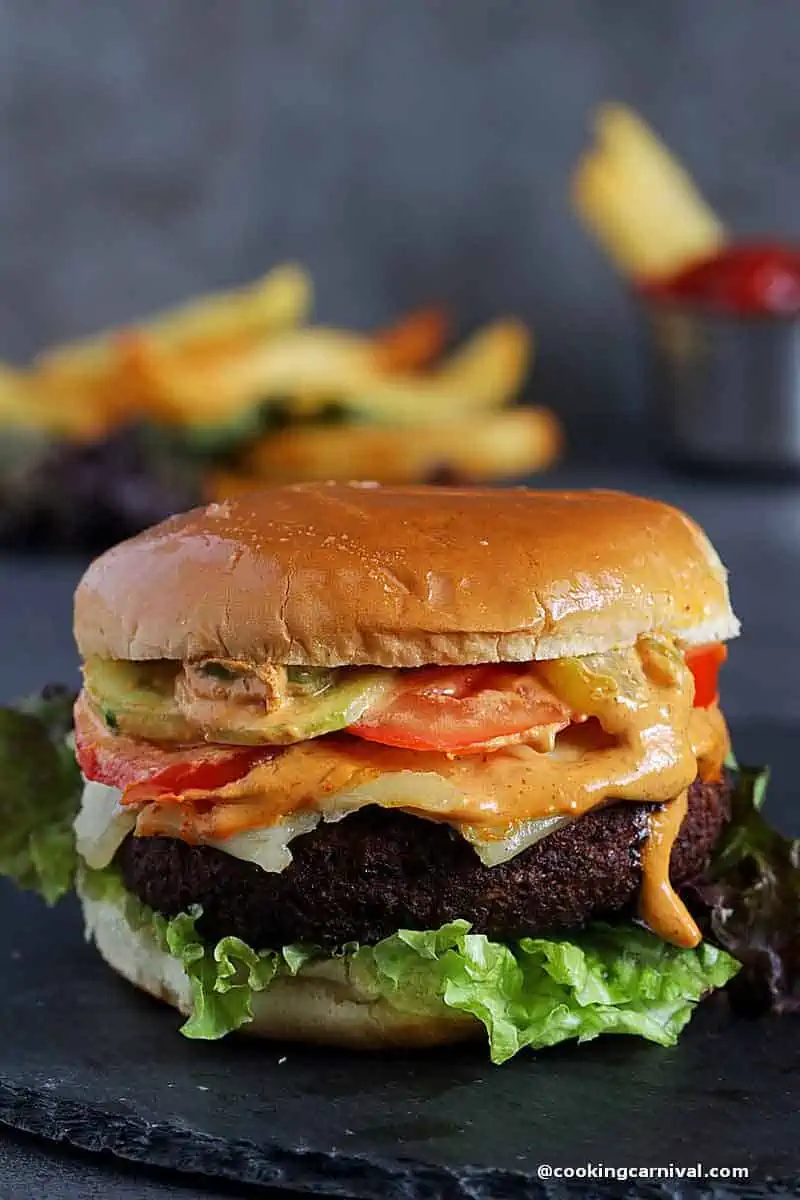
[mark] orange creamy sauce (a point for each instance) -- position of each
(660, 906)
(650, 751)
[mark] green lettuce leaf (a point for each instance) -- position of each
(752, 901)
(40, 790)
(223, 977)
(606, 979)
(539, 991)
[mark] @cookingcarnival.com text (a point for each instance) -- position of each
(624, 1172)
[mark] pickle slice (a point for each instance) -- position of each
(593, 682)
(603, 685)
(137, 698)
(146, 700)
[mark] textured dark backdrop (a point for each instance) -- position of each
(405, 149)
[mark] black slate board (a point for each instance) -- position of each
(87, 1060)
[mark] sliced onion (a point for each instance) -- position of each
(102, 824)
(524, 834)
(407, 790)
(416, 791)
(430, 793)
(269, 848)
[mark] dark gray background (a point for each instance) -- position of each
(404, 149)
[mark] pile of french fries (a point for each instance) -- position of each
(639, 202)
(404, 410)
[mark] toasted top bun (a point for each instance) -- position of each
(336, 574)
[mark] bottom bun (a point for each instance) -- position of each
(317, 1005)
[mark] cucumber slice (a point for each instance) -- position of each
(139, 699)
(309, 717)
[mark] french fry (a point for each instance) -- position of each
(278, 301)
(307, 369)
(413, 342)
(485, 373)
(484, 446)
(85, 388)
(313, 361)
(66, 412)
(491, 367)
(638, 200)
(205, 366)
(16, 401)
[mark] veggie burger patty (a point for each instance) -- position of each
(379, 870)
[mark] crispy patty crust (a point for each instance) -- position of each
(379, 870)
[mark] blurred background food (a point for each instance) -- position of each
(639, 202)
(723, 314)
(237, 389)
(426, 166)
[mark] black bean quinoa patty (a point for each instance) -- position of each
(378, 871)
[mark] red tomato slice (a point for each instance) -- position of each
(123, 761)
(704, 662)
(462, 709)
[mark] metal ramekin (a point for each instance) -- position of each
(727, 386)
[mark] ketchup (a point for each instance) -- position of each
(749, 278)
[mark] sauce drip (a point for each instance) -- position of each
(660, 907)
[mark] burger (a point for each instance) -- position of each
(397, 766)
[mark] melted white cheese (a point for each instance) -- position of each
(103, 824)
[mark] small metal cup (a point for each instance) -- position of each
(727, 386)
